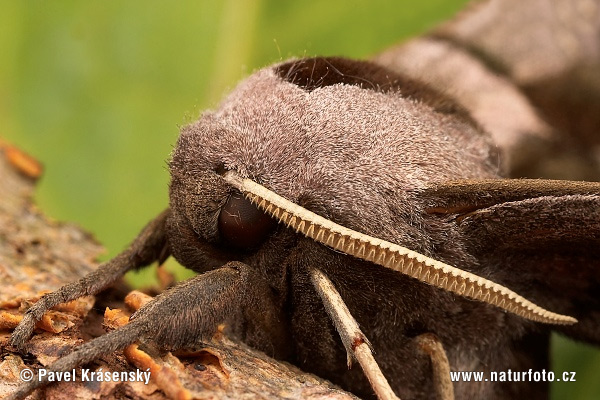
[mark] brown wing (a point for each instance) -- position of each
(539, 237)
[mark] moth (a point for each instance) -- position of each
(338, 209)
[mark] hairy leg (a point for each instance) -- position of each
(191, 311)
(149, 246)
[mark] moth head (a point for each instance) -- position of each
(323, 133)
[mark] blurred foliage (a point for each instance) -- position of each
(98, 90)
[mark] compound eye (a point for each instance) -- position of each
(242, 225)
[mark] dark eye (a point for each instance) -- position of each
(242, 224)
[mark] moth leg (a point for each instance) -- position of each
(354, 340)
(431, 345)
(234, 294)
(187, 313)
(149, 246)
(85, 353)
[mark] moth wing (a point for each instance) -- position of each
(540, 238)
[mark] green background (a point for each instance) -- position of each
(98, 90)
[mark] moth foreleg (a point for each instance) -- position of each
(85, 353)
(149, 246)
(235, 295)
(356, 343)
(189, 312)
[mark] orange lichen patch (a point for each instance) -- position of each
(9, 320)
(79, 307)
(164, 377)
(22, 162)
(22, 301)
(136, 299)
(55, 321)
(10, 303)
(52, 321)
(115, 318)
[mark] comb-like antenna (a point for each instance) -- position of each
(391, 255)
